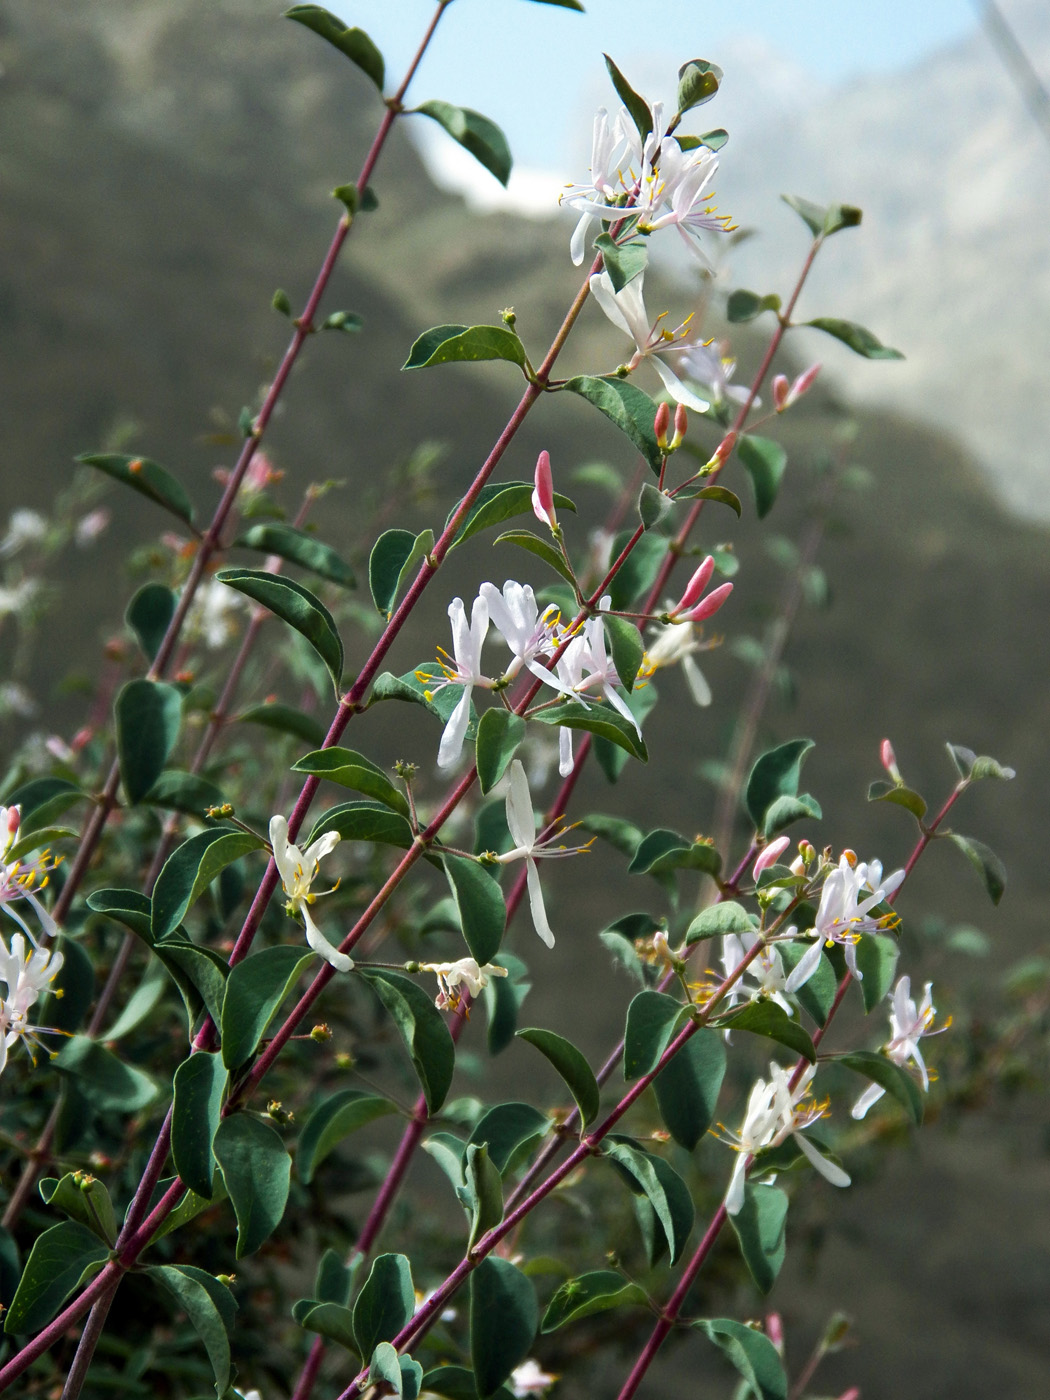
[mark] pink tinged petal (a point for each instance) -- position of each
(543, 491)
(539, 913)
(805, 968)
(870, 1096)
(694, 589)
(804, 382)
(451, 745)
(710, 605)
(317, 941)
(735, 1193)
(768, 855)
(828, 1170)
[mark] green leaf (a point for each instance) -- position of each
(42, 801)
(817, 996)
(348, 321)
(650, 1176)
(623, 261)
(353, 43)
(987, 864)
(860, 340)
(712, 493)
(364, 821)
(413, 689)
(596, 719)
(188, 1208)
(638, 572)
(476, 134)
(893, 1078)
(148, 615)
(499, 734)
(286, 720)
(525, 539)
(44, 836)
(504, 1316)
(588, 1294)
(482, 1192)
(457, 1382)
(61, 1258)
(564, 5)
(743, 306)
(210, 1307)
(653, 1018)
(768, 1019)
(785, 810)
(507, 1129)
(631, 410)
(776, 773)
(148, 715)
(256, 1170)
(765, 461)
(621, 834)
(298, 547)
(109, 1084)
(334, 1279)
(612, 760)
(333, 1120)
(662, 851)
(333, 1321)
(128, 907)
(812, 215)
(385, 1303)
(985, 767)
(752, 1353)
(503, 1000)
(421, 1027)
(698, 81)
(352, 770)
(297, 606)
(199, 973)
(760, 1228)
(626, 647)
(82, 1198)
(400, 1373)
(639, 109)
(190, 869)
(840, 216)
(146, 477)
(200, 1086)
(876, 955)
(719, 919)
(653, 505)
(183, 792)
(496, 502)
(480, 903)
(255, 988)
(688, 1086)
(394, 557)
(572, 1065)
(453, 344)
(72, 993)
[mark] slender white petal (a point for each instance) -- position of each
(804, 968)
(455, 730)
(828, 1170)
(317, 941)
(735, 1193)
(870, 1096)
(539, 913)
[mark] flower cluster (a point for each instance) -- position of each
(850, 893)
(27, 969)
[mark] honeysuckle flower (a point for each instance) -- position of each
(707, 363)
(692, 606)
(766, 971)
(298, 870)
(543, 492)
(530, 1379)
(774, 1113)
(13, 600)
(464, 972)
(849, 893)
(213, 614)
(27, 970)
(19, 880)
(672, 644)
(614, 149)
(521, 822)
(16, 700)
(908, 1024)
(462, 668)
(25, 527)
(585, 665)
(626, 310)
(785, 394)
(90, 526)
(529, 633)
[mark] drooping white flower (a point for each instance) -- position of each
(25, 527)
(675, 643)
(908, 1024)
(766, 972)
(614, 149)
(27, 971)
(462, 668)
(583, 667)
(464, 972)
(212, 616)
(775, 1112)
(298, 870)
(521, 823)
(850, 892)
(20, 880)
(626, 310)
(529, 633)
(529, 1379)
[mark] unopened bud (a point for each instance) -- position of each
(708, 606)
(850, 857)
(227, 1280)
(694, 589)
(344, 1060)
(767, 856)
(889, 761)
(661, 423)
(681, 427)
(543, 492)
(723, 451)
(775, 1330)
(781, 390)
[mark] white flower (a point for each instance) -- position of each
(464, 669)
(451, 975)
(14, 600)
(90, 526)
(213, 613)
(298, 870)
(775, 1112)
(908, 1024)
(626, 310)
(25, 527)
(615, 146)
(849, 892)
(708, 364)
(19, 881)
(521, 822)
(673, 643)
(530, 1379)
(585, 665)
(516, 616)
(766, 969)
(26, 975)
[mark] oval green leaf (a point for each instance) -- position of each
(765, 461)
(255, 988)
(352, 770)
(61, 1258)
(145, 477)
(331, 1121)
(499, 734)
(480, 903)
(422, 1028)
(385, 1304)
(688, 1086)
(572, 1065)
(453, 344)
(624, 404)
(148, 615)
(190, 869)
(760, 1229)
(148, 715)
(297, 606)
(394, 556)
(354, 44)
(475, 133)
(210, 1307)
(200, 1085)
(300, 548)
(256, 1170)
(504, 1317)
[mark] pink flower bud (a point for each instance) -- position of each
(775, 1330)
(852, 1394)
(889, 760)
(780, 392)
(710, 604)
(724, 449)
(661, 423)
(804, 382)
(694, 589)
(681, 427)
(14, 816)
(543, 492)
(767, 856)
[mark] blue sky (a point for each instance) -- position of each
(535, 69)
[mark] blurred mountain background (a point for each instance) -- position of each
(166, 165)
